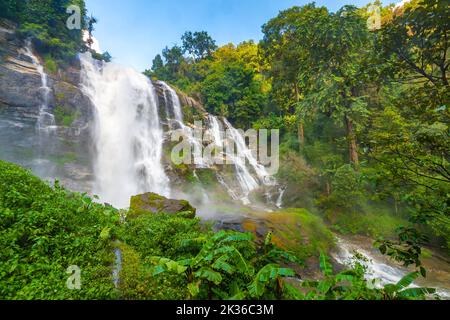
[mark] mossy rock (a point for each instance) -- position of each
(296, 230)
(153, 203)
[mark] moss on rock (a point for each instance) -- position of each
(296, 230)
(154, 203)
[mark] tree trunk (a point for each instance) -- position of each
(301, 129)
(352, 145)
(301, 134)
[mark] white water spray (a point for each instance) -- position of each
(128, 134)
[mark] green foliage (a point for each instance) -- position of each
(45, 23)
(147, 234)
(43, 231)
(199, 45)
(231, 87)
(65, 116)
(50, 64)
(225, 267)
(371, 221)
(347, 189)
(407, 250)
(351, 285)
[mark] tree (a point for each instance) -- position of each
(409, 136)
(44, 21)
(174, 60)
(199, 45)
(418, 37)
(338, 84)
(90, 22)
(289, 40)
(157, 63)
(232, 86)
(11, 9)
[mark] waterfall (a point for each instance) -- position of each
(46, 130)
(128, 134)
(242, 149)
(46, 120)
(177, 113)
(242, 155)
(216, 133)
(279, 202)
(172, 100)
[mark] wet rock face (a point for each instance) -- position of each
(154, 203)
(19, 80)
(21, 98)
(20, 84)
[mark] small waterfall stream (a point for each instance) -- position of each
(46, 144)
(46, 120)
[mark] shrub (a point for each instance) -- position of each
(43, 231)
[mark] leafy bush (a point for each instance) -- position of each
(50, 64)
(65, 116)
(347, 190)
(229, 266)
(43, 231)
(352, 285)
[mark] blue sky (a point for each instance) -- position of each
(134, 31)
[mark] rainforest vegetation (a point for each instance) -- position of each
(363, 113)
(364, 120)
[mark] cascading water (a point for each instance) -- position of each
(46, 142)
(239, 157)
(46, 120)
(379, 267)
(172, 100)
(128, 133)
(279, 202)
(176, 111)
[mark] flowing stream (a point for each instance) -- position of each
(384, 270)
